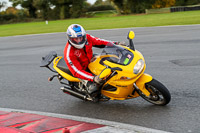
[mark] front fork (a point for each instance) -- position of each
(140, 83)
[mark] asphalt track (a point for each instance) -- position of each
(172, 57)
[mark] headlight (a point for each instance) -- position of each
(138, 67)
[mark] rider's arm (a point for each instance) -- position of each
(101, 43)
(97, 42)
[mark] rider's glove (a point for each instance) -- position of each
(121, 43)
(98, 80)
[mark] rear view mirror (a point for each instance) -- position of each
(105, 73)
(131, 35)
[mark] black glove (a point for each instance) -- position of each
(98, 80)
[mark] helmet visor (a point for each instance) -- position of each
(78, 40)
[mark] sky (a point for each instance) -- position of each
(7, 1)
(91, 1)
(7, 5)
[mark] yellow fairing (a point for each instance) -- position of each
(124, 87)
(105, 73)
(122, 82)
(65, 75)
(122, 92)
(145, 78)
(95, 67)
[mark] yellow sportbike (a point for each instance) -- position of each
(122, 70)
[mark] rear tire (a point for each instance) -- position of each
(159, 94)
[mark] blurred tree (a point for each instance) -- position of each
(98, 2)
(11, 10)
(69, 8)
(187, 2)
(12, 14)
(132, 6)
(86, 6)
(107, 2)
(63, 6)
(77, 8)
(44, 7)
(143, 4)
(102, 3)
(118, 5)
(28, 4)
(22, 14)
(163, 3)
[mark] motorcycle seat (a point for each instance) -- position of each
(63, 66)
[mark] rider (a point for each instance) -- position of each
(78, 53)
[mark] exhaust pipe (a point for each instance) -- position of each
(75, 94)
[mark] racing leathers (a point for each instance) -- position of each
(77, 60)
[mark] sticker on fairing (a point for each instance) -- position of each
(126, 61)
(129, 56)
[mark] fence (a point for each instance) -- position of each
(173, 9)
(185, 8)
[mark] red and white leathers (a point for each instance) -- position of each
(77, 60)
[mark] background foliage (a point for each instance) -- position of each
(37, 10)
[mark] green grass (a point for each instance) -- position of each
(177, 18)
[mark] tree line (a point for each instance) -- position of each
(63, 9)
(139, 6)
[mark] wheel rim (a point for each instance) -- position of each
(155, 96)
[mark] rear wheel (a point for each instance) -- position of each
(159, 94)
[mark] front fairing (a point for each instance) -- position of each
(116, 56)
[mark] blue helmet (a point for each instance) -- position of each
(76, 35)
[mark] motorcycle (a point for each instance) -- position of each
(122, 70)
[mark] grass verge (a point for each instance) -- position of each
(176, 18)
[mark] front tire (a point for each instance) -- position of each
(159, 94)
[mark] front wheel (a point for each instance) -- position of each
(159, 94)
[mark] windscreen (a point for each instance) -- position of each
(117, 54)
